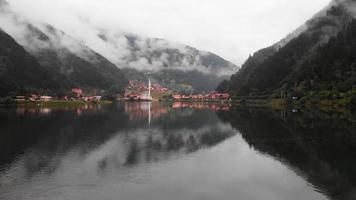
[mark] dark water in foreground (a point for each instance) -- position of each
(180, 152)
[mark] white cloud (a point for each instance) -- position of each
(230, 28)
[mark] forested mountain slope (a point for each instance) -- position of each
(20, 72)
(300, 62)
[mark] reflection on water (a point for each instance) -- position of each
(180, 151)
(318, 146)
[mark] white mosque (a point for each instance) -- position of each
(146, 96)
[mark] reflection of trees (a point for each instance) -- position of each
(319, 147)
(42, 141)
(57, 132)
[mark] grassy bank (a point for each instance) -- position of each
(324, 99)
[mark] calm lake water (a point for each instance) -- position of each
(147, 151)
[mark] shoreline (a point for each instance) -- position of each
(327, 105)
(53, 104)
(336, 104)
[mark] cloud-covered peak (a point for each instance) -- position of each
(3, 2)
(154, 54)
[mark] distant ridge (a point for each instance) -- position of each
(293, 62)
(70, 62)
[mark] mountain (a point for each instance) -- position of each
(172, 65)
(69, 61)
(297, 62)
(79, 64)
(20, 72)
(90, 60)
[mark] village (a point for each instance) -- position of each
(139, 91)
(76, 94)
(136, 91)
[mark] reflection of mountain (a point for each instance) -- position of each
(50, 132)
(171, 131)
(320, 148)
(100, 138)
(178, 131)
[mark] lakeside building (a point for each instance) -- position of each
(138, 91)
(20, 98)
(78, 92)
(46, 98)
(33, 98)
(77, 95)
(91, 98)
(146, 96)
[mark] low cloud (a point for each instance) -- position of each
(232, 29)
(121, 48)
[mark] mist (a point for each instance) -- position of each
(233, 29)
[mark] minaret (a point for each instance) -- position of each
(149, 88)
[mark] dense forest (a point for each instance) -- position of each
(81, 67)
(38, 58)
(53, 70)
(20, 72)
(320, 58)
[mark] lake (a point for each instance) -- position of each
(153, 151)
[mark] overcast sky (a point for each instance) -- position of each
(232, 29)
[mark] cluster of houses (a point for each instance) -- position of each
(33, 98)
(139, 91)
(141, 86)
(135, 96)
(212, 96)
(77, 95)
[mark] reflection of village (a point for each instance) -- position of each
(138, 111)
(200, 106)
(139, 91)
(46, 111)
(134, 110)
(148, 110)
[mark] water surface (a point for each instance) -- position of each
(153, 151)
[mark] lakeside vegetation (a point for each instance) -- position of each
(322, 99)
(325, 99)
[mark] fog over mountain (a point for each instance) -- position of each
(230, 29)
(127, 51)
(156, 54)
(104, 28)
(69, 61)
(20, 71)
